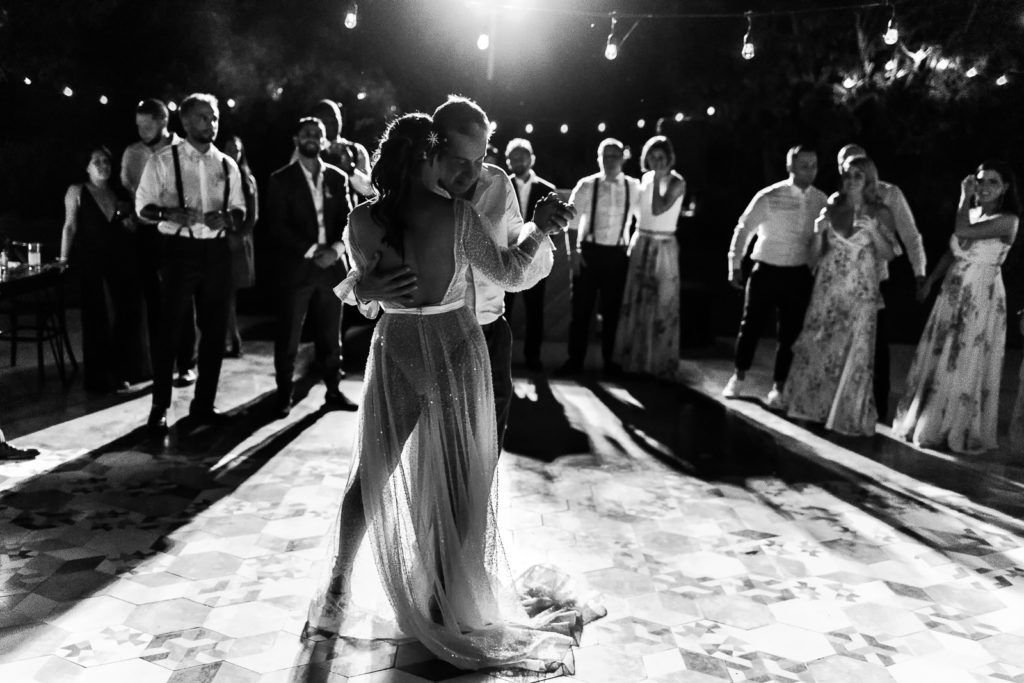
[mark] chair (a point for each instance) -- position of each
(34, 307)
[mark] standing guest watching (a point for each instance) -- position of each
(608, 203)
(906, 229)
(350, 157)
(463, 130)
(832, 378)
(193, 191)
(648, 338)
(952, 390)
(782, 216)
(243, 267)
(98, 245)
(529, 188)
(307, 208)
(151, 117)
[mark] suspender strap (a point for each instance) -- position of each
(621, 242)
(227, 185)
(177, 177)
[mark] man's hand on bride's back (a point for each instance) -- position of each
(552, 215)
(397, 285)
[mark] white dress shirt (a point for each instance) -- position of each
(134, 159)
(202, 180)
(893, 197)
(523, 188)
(610, 224)
(316, 191)
(782, 216)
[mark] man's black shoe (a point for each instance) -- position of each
(282, 404)
(9, 452)
(157, 422)
(186, 378)
(335, 400)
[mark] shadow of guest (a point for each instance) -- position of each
(99, 245)
(539, 428)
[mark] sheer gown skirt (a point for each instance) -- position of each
(426, 457)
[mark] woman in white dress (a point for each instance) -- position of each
(426, 446)
(951, 398)
(831, 378)
(648, 336)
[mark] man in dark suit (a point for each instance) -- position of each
(307, 208)
(529, 189)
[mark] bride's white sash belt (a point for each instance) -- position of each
(427, 310)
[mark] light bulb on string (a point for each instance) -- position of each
(892, 34)
(680, 117)
(27, 80)
(172, 106)
(1002, 80)
(564, 128)
(972, 72)
(361, 95)
(231, 103)
(640, 123)
(611, 47)
(103, 99)
(747, 51)
(352, 16)
(528, 128)
(849, 82)
(711, 111)
(943, 64)
(602, 127)
(67, 91)
(483, 41)
(891, 64)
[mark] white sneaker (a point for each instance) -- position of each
(774, 399)
(733, 387)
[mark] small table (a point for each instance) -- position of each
(39, 292)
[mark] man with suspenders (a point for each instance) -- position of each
(193, 192)
(608, 207)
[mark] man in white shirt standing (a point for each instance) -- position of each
(463, 173)
(906, 227)
(608, 205)
(151, 117)
(193, 192)
(530, 188)
(782, 217)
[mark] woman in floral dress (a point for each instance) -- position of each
(951, 399)
(833, 358)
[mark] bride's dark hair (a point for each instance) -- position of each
(408, 141)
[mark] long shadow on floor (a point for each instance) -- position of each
(136, 488)
(701, 437)
(538, 426)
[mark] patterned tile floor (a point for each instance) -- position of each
(727, 545)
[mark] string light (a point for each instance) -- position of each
(172, 106)
(361, 95)
(601, 127)
(891, 64)
(640, 123)
(231, 103)
(352, 16)
(528, 128)
(972, 72)
(849, 82)
(747, 51)
(611, 48)
(103, 99)
(67, 91)
(564, 128)
(494, 127)
(27, 80)
(1002, 80)
(483, 42)
(711, 111)
(679, 117)
(892, 34)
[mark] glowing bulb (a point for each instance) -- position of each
(943, 64)
(564, 128)
(103, 99)
(972, 72)
(278, 91)
(528, 128)
(352, 16)
(361, 95)
(601, 127)
(483, 42)
(892, 34)
(27, 81)
(172, 105)
(891, 64)
(611, 50)
(494, 126)
(68, 92)
(640, 123)
(1002, 80)
(679, 117)
(711, 111)
(849, 82)
(747, 52)
(231, 103)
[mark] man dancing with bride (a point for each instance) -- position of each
(422, 481)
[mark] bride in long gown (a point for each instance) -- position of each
(426, 448)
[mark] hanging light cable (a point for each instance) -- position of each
(611, 48)
(892, 34)
(747, 51)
